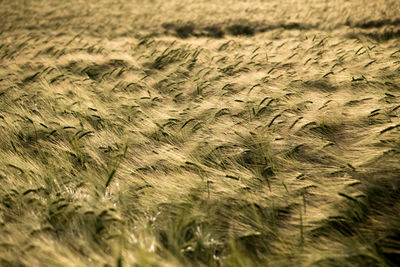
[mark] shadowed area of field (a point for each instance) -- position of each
(197, 133)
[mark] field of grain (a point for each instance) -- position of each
(199, 133)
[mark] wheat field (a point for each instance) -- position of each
(200, 133)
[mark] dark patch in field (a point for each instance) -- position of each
(238, 28)
(322, 84)
(214, 31)
(241, 29)
(187, 29)
(384, 36)
(181, 30)
(288, 26)
(379, 30)
(374, 23)
(293, 26)
(96, 71)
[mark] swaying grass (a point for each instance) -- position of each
(152, 133)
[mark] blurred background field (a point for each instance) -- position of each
(199, 133)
